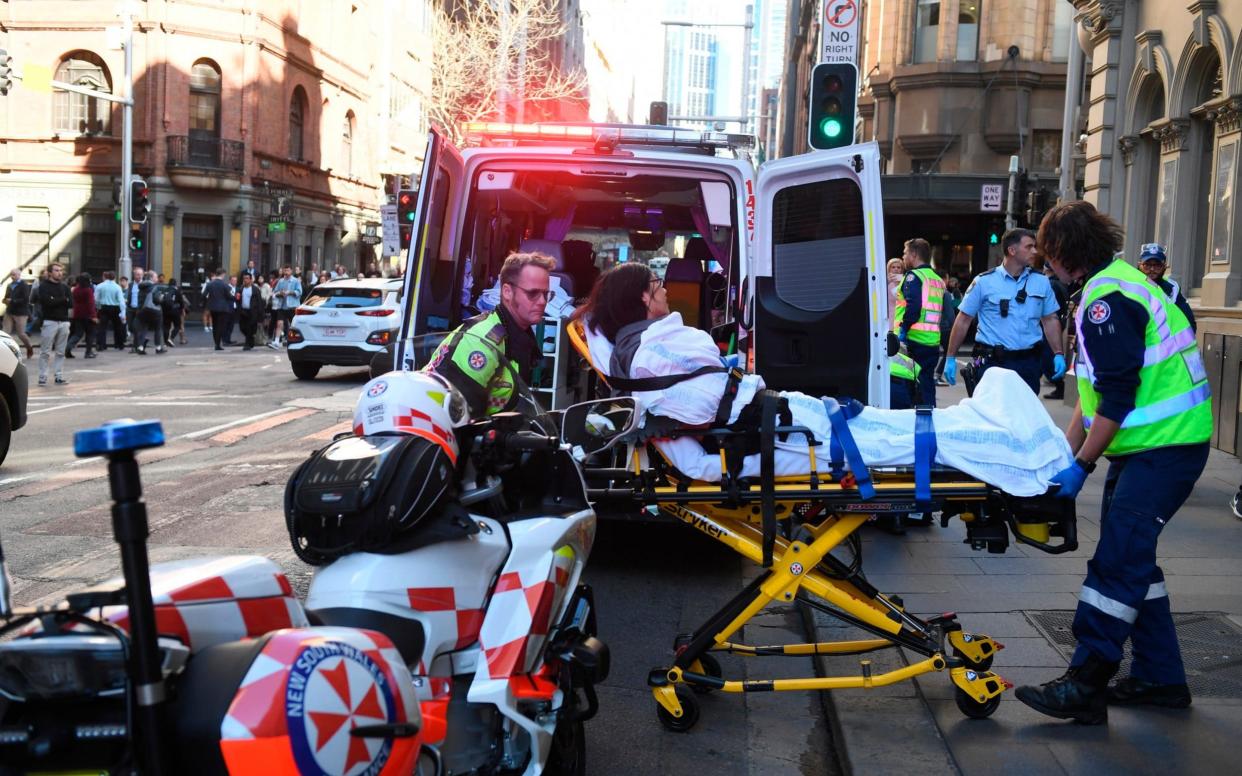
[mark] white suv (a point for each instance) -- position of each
(344, 323)
(12, 391)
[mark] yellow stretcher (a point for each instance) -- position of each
(791, 526)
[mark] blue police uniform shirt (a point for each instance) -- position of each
(1115, 333)
(1168, 288)
(1021, 328)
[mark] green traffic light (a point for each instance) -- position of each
(830, 128)
(994, 238)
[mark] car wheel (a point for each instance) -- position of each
(304, 370)
(6, 429)
(381, 362)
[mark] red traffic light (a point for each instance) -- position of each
(406, 205)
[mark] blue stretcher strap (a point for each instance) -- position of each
(843, 448)
(924, 453)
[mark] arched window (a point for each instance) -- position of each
(205, 113)
(76, 113)
(968, 30)
(347, 144)
(297, 121)
(1203, 140)
(1153, 197)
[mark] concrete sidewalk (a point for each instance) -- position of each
(1025, 599)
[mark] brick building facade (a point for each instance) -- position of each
(240, 107)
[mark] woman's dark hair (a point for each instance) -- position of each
(617, 299)
(1078, 237)
(84, 280)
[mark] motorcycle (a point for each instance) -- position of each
(481, 590)
(213, 654)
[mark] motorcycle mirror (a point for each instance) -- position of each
(594, 426)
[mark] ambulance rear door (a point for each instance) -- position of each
(817, 293)
(430, 272)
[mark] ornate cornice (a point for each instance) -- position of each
(1227, 114)
(1171, 134)
(1128, 144)
(925, 146)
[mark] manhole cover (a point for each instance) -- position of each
(1211, 649)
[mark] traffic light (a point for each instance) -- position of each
(139, 201)
(136, 243)
(834, 98)
(407, 203)
(6, 72)
(995, 231)
(658, 114)
(1036, 206)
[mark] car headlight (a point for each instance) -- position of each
(17, 353)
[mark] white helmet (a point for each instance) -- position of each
(419, 403)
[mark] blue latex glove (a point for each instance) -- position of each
(901, 334)
(732, 360)
(1070, 479)
(1058, 366)
(950, 371)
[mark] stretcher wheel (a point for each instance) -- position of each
(711, 667)
(983, 665)
(973, 708)
(689, 711)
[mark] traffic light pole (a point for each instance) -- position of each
(125, 264)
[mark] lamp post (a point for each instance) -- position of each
(747, 25)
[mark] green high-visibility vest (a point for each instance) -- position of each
(902, 366)
(926, 330)
(1174, 402)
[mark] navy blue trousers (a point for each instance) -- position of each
(1124, 595)
(1028, 368)
(926, 356)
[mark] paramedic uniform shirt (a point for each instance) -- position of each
(1021, 328)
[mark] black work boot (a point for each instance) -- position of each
(1081, 694)
(1140, 692)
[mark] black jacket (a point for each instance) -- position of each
(17, 297)
(54, 300)
(218, 296)
(256, 302)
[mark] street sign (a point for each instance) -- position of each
(277, 226)
(391, 230)
(990, 196)
(839, 33)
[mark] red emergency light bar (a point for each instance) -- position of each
(612, 135)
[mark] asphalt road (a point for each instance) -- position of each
(238, 422)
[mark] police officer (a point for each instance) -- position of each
(903, 382)
(1013, 304)
(916, 320)
(1153, 262)
(1144, 403)
(472, 368)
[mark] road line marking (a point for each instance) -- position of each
(241, 432)
(329, 432)
(57, 407)
(206, 431)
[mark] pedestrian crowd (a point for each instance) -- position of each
(149, 310)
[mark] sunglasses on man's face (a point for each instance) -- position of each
(534, 295)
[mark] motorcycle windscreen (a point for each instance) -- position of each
(812, 313)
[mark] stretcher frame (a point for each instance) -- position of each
(818, 513)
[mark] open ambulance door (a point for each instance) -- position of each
(818, 292)
(430, 272)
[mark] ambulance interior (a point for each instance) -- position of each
(680, 224)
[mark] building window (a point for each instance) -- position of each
(1046, 154)
(924, 166)
(297, 120)
(968, 30)
(76, 113)
(1226, 158)
(1164, 200)
(926, 30)
(347, 144)
(205, 114)
(1062, 30)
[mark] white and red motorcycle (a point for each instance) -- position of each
(464, 542)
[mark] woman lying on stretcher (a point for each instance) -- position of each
(1002, 436)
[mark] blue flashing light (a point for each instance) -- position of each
(117, 436)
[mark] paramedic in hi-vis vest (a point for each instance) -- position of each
(1145, 405)
(916, 321)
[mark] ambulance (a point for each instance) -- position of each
(783, 264)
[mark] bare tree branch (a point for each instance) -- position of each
(488, 54)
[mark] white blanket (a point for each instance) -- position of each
(1003, 436)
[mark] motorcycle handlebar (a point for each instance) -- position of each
(529, 440)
